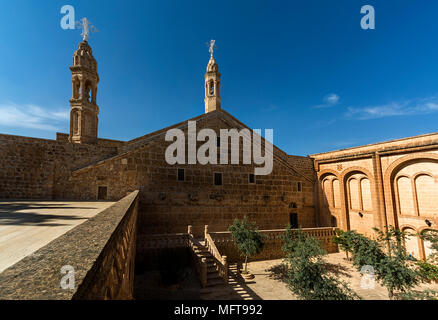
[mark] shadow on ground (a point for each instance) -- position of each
(10, 214)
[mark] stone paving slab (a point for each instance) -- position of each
(26, 226)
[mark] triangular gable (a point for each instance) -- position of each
(227, 118)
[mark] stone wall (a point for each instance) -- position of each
(63, 137)
(304, 165)
(392, 183)
(168, 205)
(101, 251)
(33, 168)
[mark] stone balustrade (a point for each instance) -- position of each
(274, 240)
(161, 241)
(220, 261)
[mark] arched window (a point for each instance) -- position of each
(76, 89)
(336, 194)
(211, 88)
(427, 191)
(405, 195)
(354, 194)
(428, 250)
(367, 204)
(88, 91)
(411, 243)
(327, 194)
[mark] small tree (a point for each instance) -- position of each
(247, 238)
(342, 240)
(307, 276)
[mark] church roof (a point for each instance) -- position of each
(158, 135)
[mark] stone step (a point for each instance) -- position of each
(215, 281)
(215, 287)
(214, 275)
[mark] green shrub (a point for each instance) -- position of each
(307, 276)
(390, 265)
(428, 271)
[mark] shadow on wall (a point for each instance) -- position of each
(10, 214)
(168, 274)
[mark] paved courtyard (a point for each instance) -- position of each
(26, 226)
(269, 283)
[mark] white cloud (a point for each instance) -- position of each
(400, 108)
(32, 117)
(330, 100)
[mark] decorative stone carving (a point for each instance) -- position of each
(194, 196)
(217, 196)
(162, 196)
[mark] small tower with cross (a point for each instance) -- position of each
(83, 107)
(212, 83)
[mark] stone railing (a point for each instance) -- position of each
(220, 261)
(162, 241)
(100, 254)
(273, 240)
(199, 262)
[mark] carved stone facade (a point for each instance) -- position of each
(392, 183)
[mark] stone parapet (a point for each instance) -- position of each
(274, 240)
(101, 251)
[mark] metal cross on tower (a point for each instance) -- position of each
(211, 46)
(86, 27)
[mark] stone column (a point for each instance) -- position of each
(225, 263)
(205, 230)
(344, 203)
(380, 219)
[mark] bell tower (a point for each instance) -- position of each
(84, 110)
(212, 84)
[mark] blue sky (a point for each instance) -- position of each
(303, 68)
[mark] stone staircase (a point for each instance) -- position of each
(216, 288)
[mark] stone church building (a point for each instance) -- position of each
(391, 183)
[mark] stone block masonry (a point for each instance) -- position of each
(168, 205)
(33, 168)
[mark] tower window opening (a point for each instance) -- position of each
(251, 178)
(88, 93)
(211, 88)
